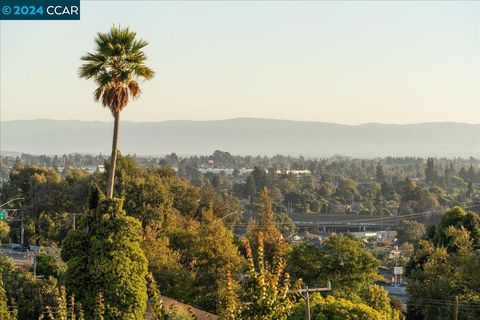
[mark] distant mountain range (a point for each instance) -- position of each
(244, 136)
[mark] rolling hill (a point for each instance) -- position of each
(244, 136)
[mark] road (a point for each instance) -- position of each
(20, 258)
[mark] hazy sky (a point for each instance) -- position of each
(345, 62)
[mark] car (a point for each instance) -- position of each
(21, 248)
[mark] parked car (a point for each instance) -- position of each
(21, 248)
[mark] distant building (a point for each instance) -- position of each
(312, 238)
(295, 172)
(227, 171)
(339, 207)
(377, 235)
(386, 235)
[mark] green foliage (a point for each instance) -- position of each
(352, 270)
(409, 231)
(95, 196)
(224, 206)
(430, 173)
(5, 313)
(48, 195)
(4, 230)
(80, 313)
(347, 190)
(458, 217)
(264, 294)
(99, 307)
(304, 262)
(155, 299)
(157, 309)
(30, 294)
(50, 264)
(179, 313)
(379, 174)
(273, 239)
(347, 264)
(65, 309)
(377, 298)
(416, 199)
(166, 265)
(190, 259)
(152, 195)
(444, 267)
(250, 187)
(116, 65)
(331, 308)
(147, 196)
(103, 256)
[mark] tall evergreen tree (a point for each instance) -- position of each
(250, 187)
(380, 174)
(472, 175)
(260, 177)
(430, 173)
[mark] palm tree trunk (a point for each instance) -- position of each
(113, 157)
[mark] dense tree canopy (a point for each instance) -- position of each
(409, 231)
(446, 266)
(190, 259)
(347, 264)
(31, 295)
(104, 257)
(184, 220)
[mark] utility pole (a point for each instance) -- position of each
(22, 227)
(381, 212)
(74, 218)
(33, 258)
(16, 215)
(305, 294)
(455, 309)
(307, 304)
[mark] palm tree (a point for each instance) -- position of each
(116, 66)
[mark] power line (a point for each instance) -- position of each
(388, 218)
(305, 294)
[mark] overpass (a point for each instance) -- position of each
(352, 222)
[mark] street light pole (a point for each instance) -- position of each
(227, 215)
(9, 201)
(22, 227)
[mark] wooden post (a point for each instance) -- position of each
(455, 310)
(307, 304)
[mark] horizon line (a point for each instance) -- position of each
(248, 118)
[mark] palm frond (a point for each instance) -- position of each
(134, 89)
(142, 71)
(116, 66)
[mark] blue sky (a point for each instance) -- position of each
(345, 62)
